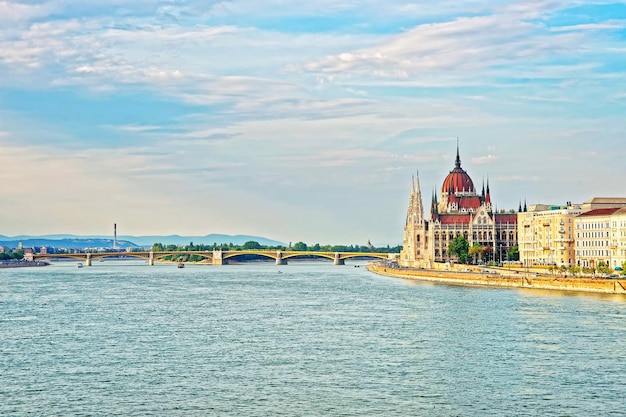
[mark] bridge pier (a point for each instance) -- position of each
(88, 260)
(279, 259)
(338, 260)
(151, 259)
(217, 258)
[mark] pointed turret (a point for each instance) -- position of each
(415, 212)
(457, 163)
(488, 195)
(483, 192)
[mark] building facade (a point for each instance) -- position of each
(458, 210)
(546, 235)
(618, 238)
(593, 237)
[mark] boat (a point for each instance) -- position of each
(79, 265)
(181, 265)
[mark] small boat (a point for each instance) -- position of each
(181, 265)
(79, 265)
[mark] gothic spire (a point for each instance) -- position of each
(415, 212)
(488, 195)
(457, 163)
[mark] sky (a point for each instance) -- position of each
(300, 121)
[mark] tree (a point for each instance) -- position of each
(459, 247)
(604, 268)
(157, 247)
(514, 253)
(588, 270)
(299, 246)
(476, 250)
(251, 245)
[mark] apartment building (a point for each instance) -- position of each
(545, 234)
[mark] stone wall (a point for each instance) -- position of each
(609, 286)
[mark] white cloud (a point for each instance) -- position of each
(484, 159)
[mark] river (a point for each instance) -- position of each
(305, 339)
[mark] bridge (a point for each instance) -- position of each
(215, 257)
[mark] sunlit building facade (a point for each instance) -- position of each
(593, 237)
(618, 238)
(546, 235)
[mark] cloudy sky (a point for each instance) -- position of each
(300, 120)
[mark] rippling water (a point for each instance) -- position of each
(317, 340)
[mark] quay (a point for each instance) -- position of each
(511, 280)
(22, 264)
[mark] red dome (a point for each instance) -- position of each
(457, 180)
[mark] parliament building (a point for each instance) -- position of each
(458, 210)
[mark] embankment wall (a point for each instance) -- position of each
(608, 286)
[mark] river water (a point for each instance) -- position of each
(122, 338)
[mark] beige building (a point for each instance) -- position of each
(546, 235)
(601, 237)
(618, 238)
(603, 203)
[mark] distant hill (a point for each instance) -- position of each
(74, 241)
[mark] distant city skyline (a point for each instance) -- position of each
(298, 121)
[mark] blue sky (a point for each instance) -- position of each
(300, 121)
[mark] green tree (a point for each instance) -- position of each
(459, 247)
(604, 268)
(514, 253)
(157, 247)
(476, 251)
(251, 244)
(299, 246)
(574, 270)
(588, 270)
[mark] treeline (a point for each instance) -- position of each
(298, 246)
(12, 254)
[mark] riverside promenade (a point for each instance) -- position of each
(514, 280)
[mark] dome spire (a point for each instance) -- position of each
(458, 157)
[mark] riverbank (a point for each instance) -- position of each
(544, 282)
(22, 264)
